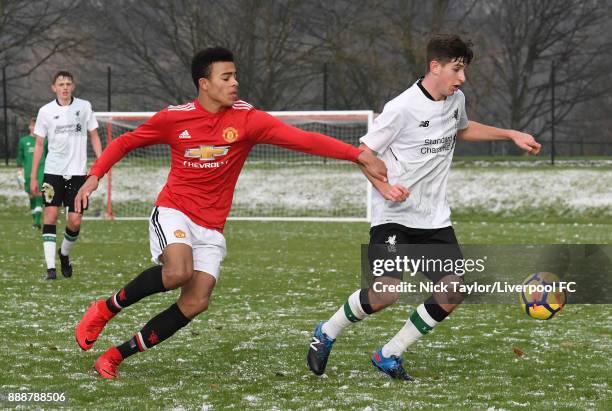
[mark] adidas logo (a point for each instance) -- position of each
(184, 134)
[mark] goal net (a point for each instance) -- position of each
(275, 183)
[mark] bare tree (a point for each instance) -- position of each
(525, 37)
(158, 39)
(31, 34)
(375, 49)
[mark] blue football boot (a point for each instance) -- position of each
(392, 366)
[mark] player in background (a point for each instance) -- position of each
(210, 138)
(415, 136)
(25, 155)
(64, 124)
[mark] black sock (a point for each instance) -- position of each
(49, 229)
(159, 328)
(365, 301)
(434, 310)
(146, 283)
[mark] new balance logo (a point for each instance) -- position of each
(315, 340)
(424, 124)
(184, 134)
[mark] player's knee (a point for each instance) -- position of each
(74, 221)
(176, 275)
(452, 295)
(194, 306)
(384, 292)
(50, 215)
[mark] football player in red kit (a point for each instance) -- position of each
(210, 139)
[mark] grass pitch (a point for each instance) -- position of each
(248, 351)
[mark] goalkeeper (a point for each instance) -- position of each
(25, 154)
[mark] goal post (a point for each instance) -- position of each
(275, 183)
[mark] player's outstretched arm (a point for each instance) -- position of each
(480, 132)
(396, 192)
(82, 198)
(372, 166)
(263, 128)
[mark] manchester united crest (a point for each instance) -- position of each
(230, 134)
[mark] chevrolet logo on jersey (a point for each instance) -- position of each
(207, 153)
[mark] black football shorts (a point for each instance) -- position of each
(388, 241)
(58, 191)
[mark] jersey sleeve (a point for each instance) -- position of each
(92, 122)
(463, 118)
(20, 154)
(41, 128)
(385, 128)
(262, 128)
(154, 131)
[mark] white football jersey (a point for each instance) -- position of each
(415, 136)
(66, 128)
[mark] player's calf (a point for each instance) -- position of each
(193, 306)
(158, 329)
(452, 296)
(146, 283)
(383, 293)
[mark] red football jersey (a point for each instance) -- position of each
(208, 151)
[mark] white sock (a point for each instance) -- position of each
(351, 312)
(49, 249)
(419, 324)
(68, 242)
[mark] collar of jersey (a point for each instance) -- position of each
(71, 101)
(424, 90)
(199, 107)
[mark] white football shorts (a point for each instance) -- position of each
(170, 226)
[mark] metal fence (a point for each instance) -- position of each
(575, 147)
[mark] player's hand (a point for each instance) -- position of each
(20, 179)
(526, 142)
(34, 187)
(372, 165)
(397, 192)
(82, 198)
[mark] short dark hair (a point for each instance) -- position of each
(62, 73)
(449, 47)
(203, 60)
(32, 120)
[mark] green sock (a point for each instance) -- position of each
(32, 207)
(37, 213)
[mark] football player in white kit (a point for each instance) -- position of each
(64, 122)
(415, 136)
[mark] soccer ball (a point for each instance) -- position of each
(540, 300)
